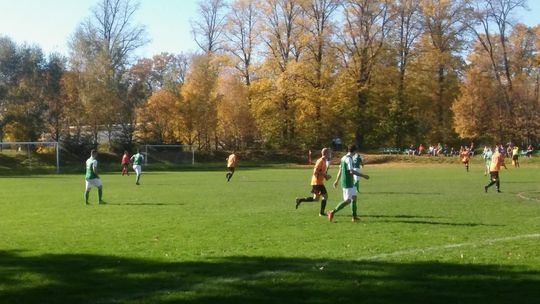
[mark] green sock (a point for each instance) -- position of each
(341, 205)
(138, 177)
(100, 193)
(354, 208)
(86, 195)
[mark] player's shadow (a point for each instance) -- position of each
(398, 193)
(86, 278)
(146, 204)
(403, 216)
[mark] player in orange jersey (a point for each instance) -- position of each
(317, 182)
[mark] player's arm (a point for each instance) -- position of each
(95, 169)
(337, 177)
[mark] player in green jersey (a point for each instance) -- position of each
(137, 160)
(92, 177)
(345, 176)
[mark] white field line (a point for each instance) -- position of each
(448, 246)
(522, 196)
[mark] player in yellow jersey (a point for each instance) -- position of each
(497, 160)
(231, 165)
(317, 182)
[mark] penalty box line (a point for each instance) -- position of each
(449, 246)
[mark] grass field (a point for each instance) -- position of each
(429, 234)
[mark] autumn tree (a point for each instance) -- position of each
(491, 24)
(101, 48)
(199, 104)
(208, 28)
(366, 24)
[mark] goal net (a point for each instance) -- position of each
(169, 155)
(33, 156)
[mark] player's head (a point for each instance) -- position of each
(93, 153)
(351, 148)
(125, 152)
(325, 152)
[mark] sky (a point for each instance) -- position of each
(49, 23)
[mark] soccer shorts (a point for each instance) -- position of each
(515, 157)
(318, 189)
(95, 182)
(137, 169)
(349, 193)
(494, 175)
(230, 169)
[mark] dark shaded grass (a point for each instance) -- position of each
(84, 278)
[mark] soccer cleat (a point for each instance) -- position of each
(485, 189)
(355, 219)
(298, 202)
(137, 183)
(499, 191)
(322, 214)
(330, 215)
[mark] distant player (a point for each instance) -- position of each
(317, 182)
(486, 155)
(497, 160)
(345, 176)
(137, 160)
(231, 165)
(125, 163)
(92, 177)
(465, 155)
(515, 156)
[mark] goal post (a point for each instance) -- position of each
(32, 149)
(171, 154)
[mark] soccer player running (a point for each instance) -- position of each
(231, 165)
(92, 177)
(497, 160)
(345, 176)
(465, 155)
(125, 163)
(137, 165)
(317, 182)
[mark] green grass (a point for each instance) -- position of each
(429, 234)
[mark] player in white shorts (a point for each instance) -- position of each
(345, 176)
(92, 178)
(137, 160)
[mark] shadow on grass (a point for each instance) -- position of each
(440, 223)
(403, 216)
(399, 193)
(80, 278)
(145, 204)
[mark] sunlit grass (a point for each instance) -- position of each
(428, 233)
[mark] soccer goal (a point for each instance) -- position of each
(33, 154)
(169, 154)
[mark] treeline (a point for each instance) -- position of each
(285, 74)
